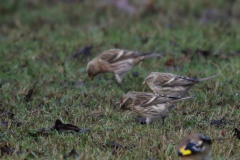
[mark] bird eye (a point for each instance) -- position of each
(198, 147)
(199, 144)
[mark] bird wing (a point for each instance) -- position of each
(145, 100)
(169, 80)
(116, 55)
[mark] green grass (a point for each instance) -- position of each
(37, 38)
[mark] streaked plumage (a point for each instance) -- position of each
(116, 61)
(171, 84)
(148, 105)
(195, 147)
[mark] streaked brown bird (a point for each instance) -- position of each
(149, 105)
(117, 61)
(171, 84)
(195, 147)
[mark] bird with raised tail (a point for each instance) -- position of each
(117, 61)
(149, 105)
(171, 84)
(195, 147)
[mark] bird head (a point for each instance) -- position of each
(92, 69)
(194, 145)
(125, 103)
(148, 79)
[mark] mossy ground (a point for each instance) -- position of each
(37, 39)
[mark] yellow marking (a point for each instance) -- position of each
(185, 152)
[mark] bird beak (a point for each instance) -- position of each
(91, 78)
(183, 152)
(144, 82)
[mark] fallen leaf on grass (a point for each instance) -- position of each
(63, 128)
(84, 52)
(7, 124)
(204, 53)
(144, 40)
(237, 133)
(135, 74)
(169, 63)
(218, 123)
(177, 63)
(72, 154)
(27, 98)
(60, 127)
(5, 148)
(114, 146)
(8, 113)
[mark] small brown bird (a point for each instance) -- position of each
(116, 61)
(195, 147)
(171, 84)
(149, 105)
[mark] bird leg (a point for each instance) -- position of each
(149, 121)
(117, 81)
(163, 118)
(119, 77)
(141, 120)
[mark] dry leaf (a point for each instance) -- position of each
(83, 52)
(237, 133)
(72, 154)
(27, 98)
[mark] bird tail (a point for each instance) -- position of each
(206, 78)
(184, 98)
(153, 55)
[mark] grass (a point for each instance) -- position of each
(38, 37)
